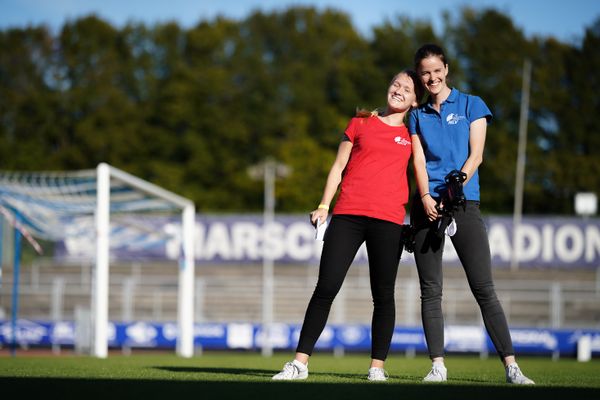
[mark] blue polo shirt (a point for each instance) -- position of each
(445, 138)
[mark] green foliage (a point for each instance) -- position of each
(192, 109)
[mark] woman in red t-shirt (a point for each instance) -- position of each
(371, 166)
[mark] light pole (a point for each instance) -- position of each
(520, 170)
(268, 171)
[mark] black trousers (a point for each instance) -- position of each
(473, 249)
(343, 237)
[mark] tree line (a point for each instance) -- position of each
(192, 109)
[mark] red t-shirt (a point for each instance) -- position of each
(374, 182)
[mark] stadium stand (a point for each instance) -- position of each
(223, 293)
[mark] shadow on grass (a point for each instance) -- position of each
(263, 373)
(268, 373)
(111, 389)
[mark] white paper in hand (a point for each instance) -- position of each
(321, 227)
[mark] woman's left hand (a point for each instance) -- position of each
(429, 205)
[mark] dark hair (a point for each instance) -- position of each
(428, 50)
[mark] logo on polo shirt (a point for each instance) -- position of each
(401, 140)
(452, 119)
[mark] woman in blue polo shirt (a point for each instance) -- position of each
(448, 134)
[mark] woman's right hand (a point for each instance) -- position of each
(429, 205)
(318, 214)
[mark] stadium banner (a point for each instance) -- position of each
(547, 242)
(346, 337)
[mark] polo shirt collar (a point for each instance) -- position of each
(452, 96)
(450, 99)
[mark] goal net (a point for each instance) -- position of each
(57, 205)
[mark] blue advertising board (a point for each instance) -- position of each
(248, 336)
(551, 242)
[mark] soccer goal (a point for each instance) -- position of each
(45, 204)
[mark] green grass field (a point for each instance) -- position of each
(234, 375)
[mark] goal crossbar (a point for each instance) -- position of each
(42, 201)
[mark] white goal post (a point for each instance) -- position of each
(42, 199)
(185, 313)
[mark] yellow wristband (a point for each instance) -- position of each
(324, 207)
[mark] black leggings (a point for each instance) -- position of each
(343, 237)
(473, 249)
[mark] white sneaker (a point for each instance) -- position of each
(514, 375)
(377, 374)
(292, 370)
(438, 373)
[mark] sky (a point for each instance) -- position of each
(565, 20)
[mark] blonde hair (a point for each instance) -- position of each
(364, 113)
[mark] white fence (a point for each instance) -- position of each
(538, 298)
